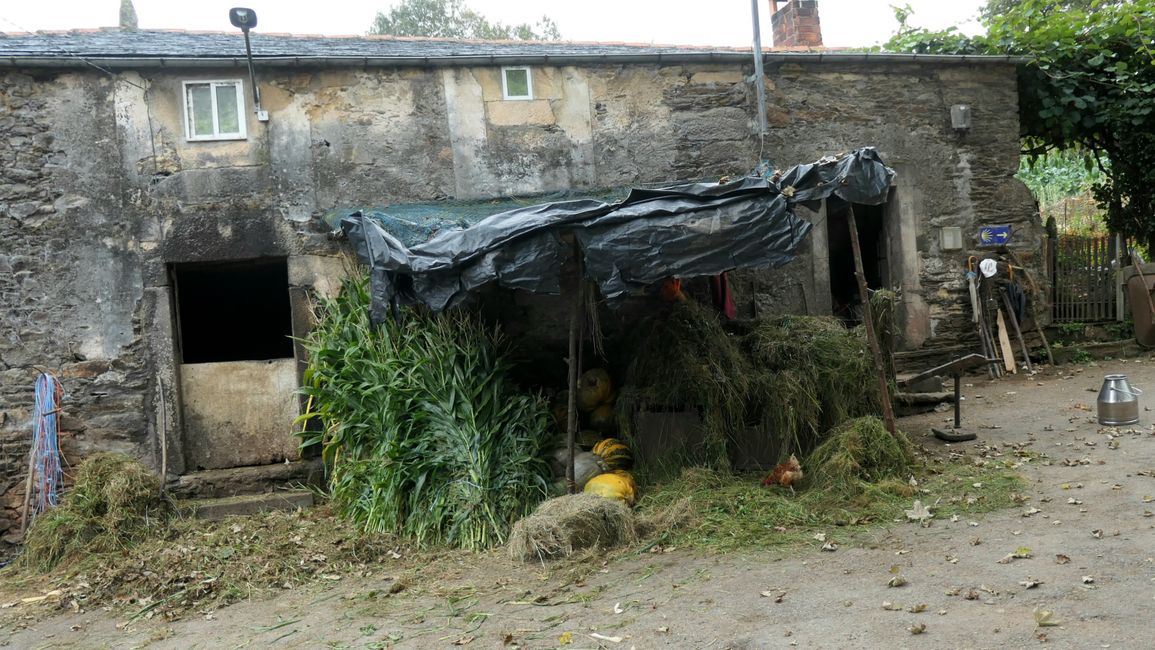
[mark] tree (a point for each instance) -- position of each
(1087, 84)
(453, 19)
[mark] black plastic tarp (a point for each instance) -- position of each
(680, 231)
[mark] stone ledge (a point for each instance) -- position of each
(217, 509)
(233, 481)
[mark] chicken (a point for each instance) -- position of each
(786, 474)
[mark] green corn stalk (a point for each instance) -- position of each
(421, 430)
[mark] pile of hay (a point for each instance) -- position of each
(684, 358)
(813, 374)
(568, 524)
(114, 503)
(861, 455)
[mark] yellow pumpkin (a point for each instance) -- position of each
(614, 454)
(617, 484)
(594, 389)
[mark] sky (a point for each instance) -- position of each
(849, 23)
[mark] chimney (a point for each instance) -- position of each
(795, 23)
(127, 15)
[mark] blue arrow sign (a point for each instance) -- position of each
(994, 235)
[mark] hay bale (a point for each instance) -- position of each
(567, 524)
(114, 502)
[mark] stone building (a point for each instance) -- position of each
(160, 234)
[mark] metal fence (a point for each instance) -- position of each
(1082, 278)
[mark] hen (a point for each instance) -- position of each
(786, 474)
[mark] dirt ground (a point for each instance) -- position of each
(1085, 522)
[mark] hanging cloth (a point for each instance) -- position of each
(723, 299)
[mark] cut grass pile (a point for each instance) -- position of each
(812, 375)
(190, 564)
(680, 358)
(860, 478)
(114, 503)
(794, 377)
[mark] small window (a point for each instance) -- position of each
(516, 83)
(214, 110)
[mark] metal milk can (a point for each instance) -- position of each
(1118, 401)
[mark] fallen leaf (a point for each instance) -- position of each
(891, 607)
(820, 537)
(917, 629)
(1061, 559)
(566, 638)
(1097, 533)
(1030, 584)
(611, 639)
(618, 608)
(896, 581)
(1088, 580)
(465, 640)
(919, 513)
(917, 609)
(1020, 553)
(830, 546)
(1045, 618)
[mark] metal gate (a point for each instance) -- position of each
(1083, 278)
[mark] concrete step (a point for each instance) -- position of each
(247, 504)
(216, 483)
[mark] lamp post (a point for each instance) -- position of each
(246, 19)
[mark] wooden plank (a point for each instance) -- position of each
(961, 364)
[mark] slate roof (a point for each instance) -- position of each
(173, 44)
(129, 48)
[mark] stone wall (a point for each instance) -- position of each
(944, 178)
(100, 193)
(69, 286)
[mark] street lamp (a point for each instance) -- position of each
(246, 19)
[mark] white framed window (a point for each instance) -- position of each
(214, 110)
(517, 82)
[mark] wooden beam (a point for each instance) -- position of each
(868, 317)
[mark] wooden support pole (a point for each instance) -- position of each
(576, 319)
(868, 317)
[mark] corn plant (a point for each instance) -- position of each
(421, 430)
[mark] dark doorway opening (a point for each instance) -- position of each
(235, 311)
(844, 297)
